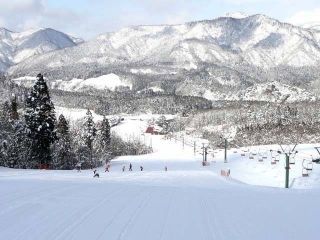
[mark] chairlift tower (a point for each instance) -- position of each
(225, 150)
(204, 154)
(287, 167)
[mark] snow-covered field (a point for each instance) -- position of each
(188, 201)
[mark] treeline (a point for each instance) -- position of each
(257, 123)
(130, 102)
(34, 138)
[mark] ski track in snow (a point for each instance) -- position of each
(188, 202)
(107, 210)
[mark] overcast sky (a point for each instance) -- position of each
(88, 18)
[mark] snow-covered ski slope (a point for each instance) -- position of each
(188, 201)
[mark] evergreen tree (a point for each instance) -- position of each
(13, 112)
(89, 135)
(5, 133)
(40, 120)
(19, 146)
(63, 156)
(5, 116)
(104, 138)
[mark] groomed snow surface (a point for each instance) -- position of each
(188, 201)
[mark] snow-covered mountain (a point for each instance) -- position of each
(312, 25)
(255, 40)
(212, 58)
(15, 47)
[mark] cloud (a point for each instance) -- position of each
(88, 18)
(306, 18)
(21, 6)
(20, 13)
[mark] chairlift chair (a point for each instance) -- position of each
(273, 161)
(265, 155)
(305, 172)
(317, 160)
(292, 160)
(305, 165)
(277, 157)
(310, 166)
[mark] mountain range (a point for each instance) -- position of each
(216, 58)
(15, 47)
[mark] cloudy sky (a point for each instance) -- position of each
(88, 18)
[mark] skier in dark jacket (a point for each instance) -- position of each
(141, 168)
(130, 167)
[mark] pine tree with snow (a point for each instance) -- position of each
(5, 133)
(19, 146)
(40, 120)
(89, 135)
(5, 116)
(13, 112)
(63, 156)
(104, 138)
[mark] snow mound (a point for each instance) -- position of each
(110, 81)
(105, 82)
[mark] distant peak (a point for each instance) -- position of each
(3, 29)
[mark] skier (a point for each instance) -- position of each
(123, 168)
(141, 168)
(78, 167)
(130, 167)
(107, 168)
(166, 168)
(95, 174)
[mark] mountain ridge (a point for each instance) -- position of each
(207, 54)
(16, 47)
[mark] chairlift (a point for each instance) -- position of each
(305, 172)
(306, 167)
(310, 166)
(292, 160)
(265, 155)
(317, 160)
